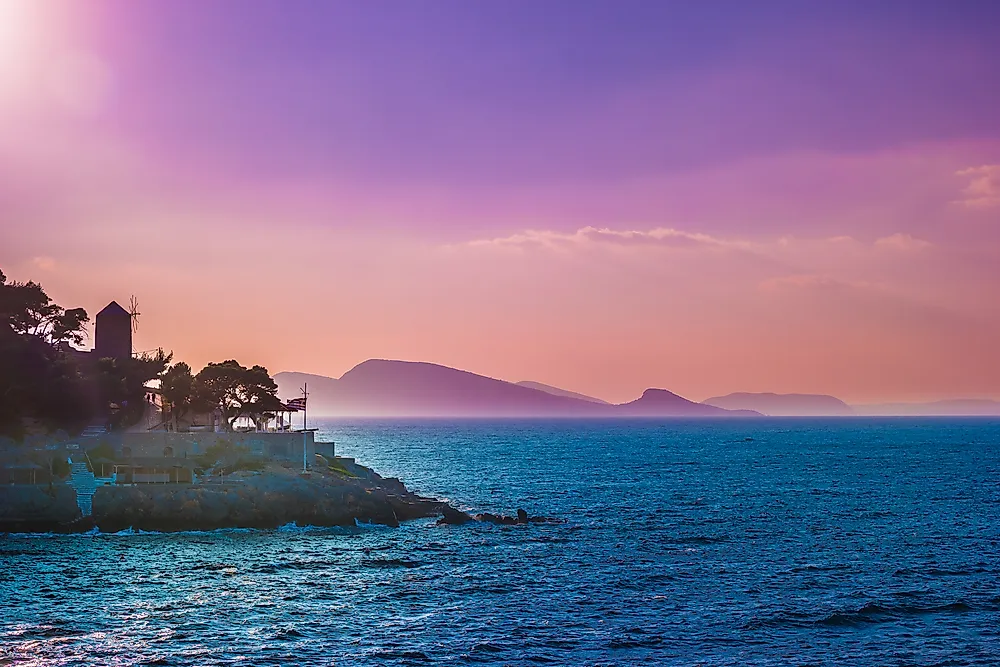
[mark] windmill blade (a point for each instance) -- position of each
(134, 313)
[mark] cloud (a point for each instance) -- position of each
(659, 236)
(811, 281)
(902, 242)
(983, 190)
(44, 263)
(674, 238)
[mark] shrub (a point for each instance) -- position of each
(60, 467)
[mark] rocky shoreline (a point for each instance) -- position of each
(39, 509)
(342, 496)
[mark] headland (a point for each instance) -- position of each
(223, 485)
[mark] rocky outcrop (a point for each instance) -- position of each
(38, 509)
(338, 496)
(454, 517)
(262, 501)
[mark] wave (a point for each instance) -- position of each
(811, 567)
(632, 642)
(291, 528)
(873, 612)
(702, 539)
(391, 563)
(868, 613)
(390, 654)
(313, 565)
(940, 572)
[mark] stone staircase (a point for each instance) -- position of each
(85, 484)
(81, 479)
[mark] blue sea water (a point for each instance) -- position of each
(739, 542)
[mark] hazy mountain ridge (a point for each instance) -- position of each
(660, 402)
(556, 391)
(387, 388)
(784, 405)
(956, 407)
(823, 405)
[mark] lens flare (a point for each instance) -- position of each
(18, 21)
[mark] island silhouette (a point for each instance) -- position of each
(391, 388)
(784, 405)
(395, 388)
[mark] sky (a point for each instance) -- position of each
(603, 196)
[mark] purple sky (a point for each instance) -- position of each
(494, 98)
(444, 159)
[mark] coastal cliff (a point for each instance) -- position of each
(337, 493)
(262, 500)
(37, 508)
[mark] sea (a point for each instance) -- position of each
(735, 542)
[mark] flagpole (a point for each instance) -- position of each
(305, 433)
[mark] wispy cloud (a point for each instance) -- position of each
(902, 242)
(659, 236)
(983, 190)
(669, 237)
(44, 263)
(811, 281)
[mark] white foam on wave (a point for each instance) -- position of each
(368, 525)
(288, 528)
(293, 527)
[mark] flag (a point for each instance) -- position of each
(297, 404)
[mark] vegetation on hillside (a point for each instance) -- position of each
(39, 382)
(44, 385)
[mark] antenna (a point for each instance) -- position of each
(305, 400)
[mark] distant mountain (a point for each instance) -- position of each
(384, 388)
(959, 407)
(662, 403)
(784, 405)
(556, 391)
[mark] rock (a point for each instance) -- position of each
(413, 507)
(262, 501)
(521, 519)
(501, 519)
(453, 517)
(39, 509)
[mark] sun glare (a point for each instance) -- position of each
(18, 20)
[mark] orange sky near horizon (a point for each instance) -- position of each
(887, 319)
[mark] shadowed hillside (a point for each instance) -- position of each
(556, 391)
(662, 403)
(384, 388)
(784, 405)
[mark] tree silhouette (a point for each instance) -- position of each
(239, 391)
(178, 388)
(40, 383)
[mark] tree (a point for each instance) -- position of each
(29, 311)
(239, 391)
(123, 385)
(178, 388)
(40, 383)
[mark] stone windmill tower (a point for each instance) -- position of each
(113, 333)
